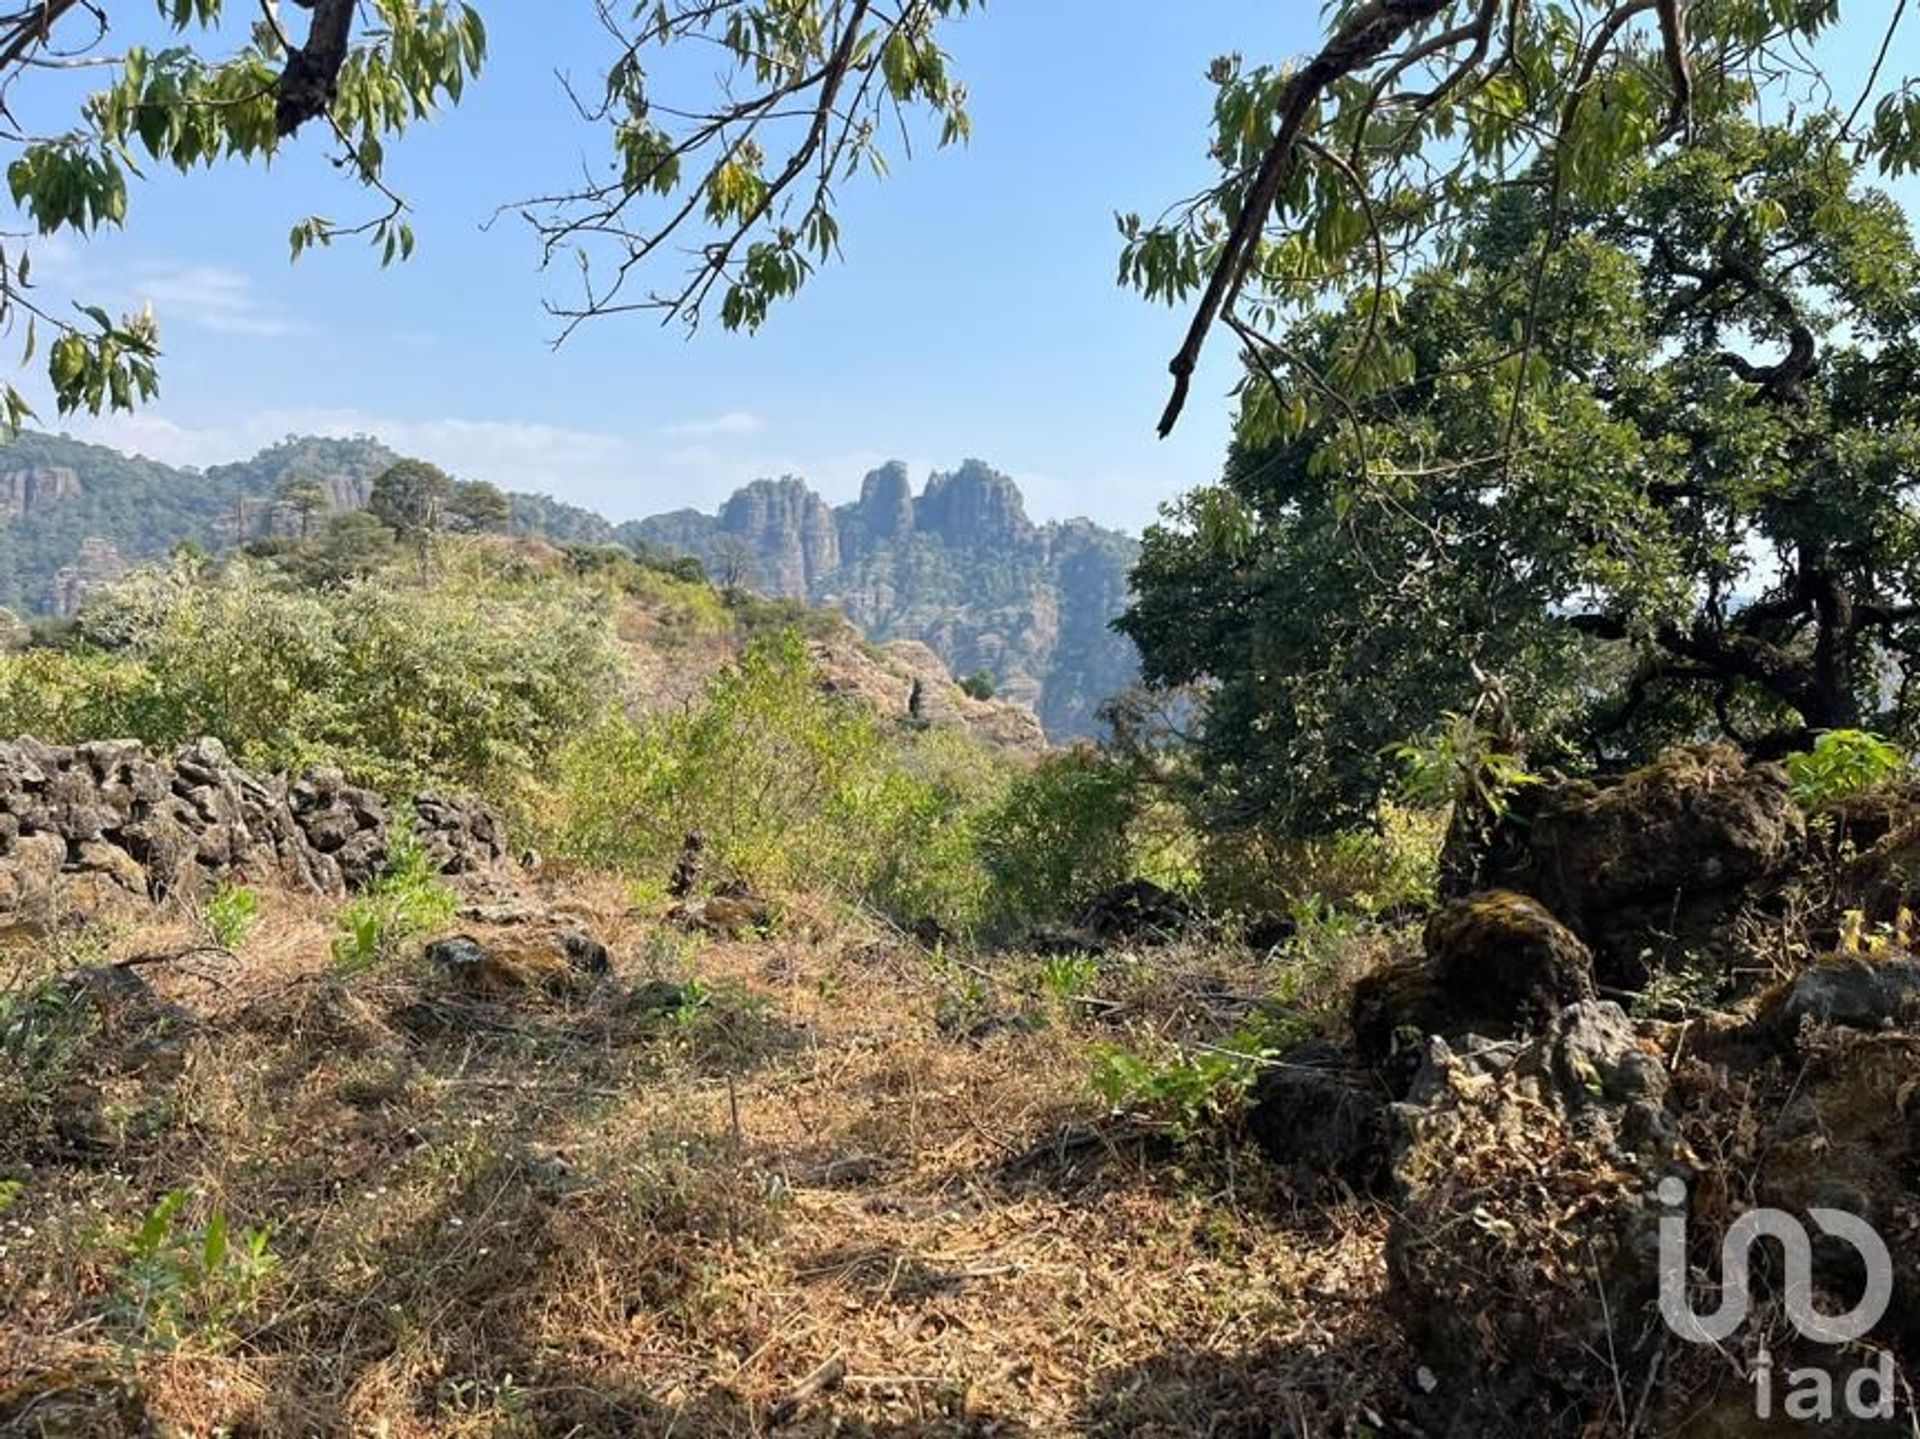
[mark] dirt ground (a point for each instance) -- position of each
(834, 1185)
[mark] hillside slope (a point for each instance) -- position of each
(74, 516)
(960, 567)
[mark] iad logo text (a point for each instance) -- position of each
(1867, 1393)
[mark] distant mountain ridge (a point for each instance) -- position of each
(74, 516)
(959, 566)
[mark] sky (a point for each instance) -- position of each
(977, 312)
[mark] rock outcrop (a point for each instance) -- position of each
(1494, 963)
(1649, 870)
(960, 568)
(1541, 1152)
(84, 826)
(97, 564)
(35, 489)
(788, 531)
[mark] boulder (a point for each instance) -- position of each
(1319, 1118)
(1501, 958)
(551, 958)
(1495, 963)
(1845, 990)
(726, 915)
(1138, 911)
(1523, 1253)
(1648, 869)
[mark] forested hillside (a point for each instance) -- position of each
(1023, 608)
(74, 515)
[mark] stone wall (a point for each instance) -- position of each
(84, 824)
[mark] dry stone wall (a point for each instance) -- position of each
(81, 824)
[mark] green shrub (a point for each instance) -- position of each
(1075, 824)
(408, 900)
(1193, 1090)
(980, 685)
(468, 684)
(1393, 863)
(791, 786)
(1843, 764)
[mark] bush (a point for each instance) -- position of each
(1076, 824)
(791, 786)
(469, 684)
(980, 685)
(1392, 864)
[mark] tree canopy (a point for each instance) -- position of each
(1340, 174)
(1699, 520)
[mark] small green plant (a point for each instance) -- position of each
(1189, 1091)
(1843, 764)
(1193, 1091)
(1457, 764)
(1067, 977)
(44, 1029)
(190, 1286)
(229, 917)
(409, 899)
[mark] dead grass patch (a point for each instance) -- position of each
(585, 1215)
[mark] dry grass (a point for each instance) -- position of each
(588, 1217)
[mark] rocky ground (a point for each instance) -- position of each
(570, 1167)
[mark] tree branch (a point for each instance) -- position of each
(1367, 35)
(310, 81)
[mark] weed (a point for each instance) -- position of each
(185, 1286)
(229, 917)
(409, 899)
(1843, 764)
(1194, 1090)
(43, 1036)
(1067, 977)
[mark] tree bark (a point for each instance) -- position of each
(311, 78)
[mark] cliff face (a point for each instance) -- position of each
(34, 489)
(96, 565)
(791, 537)
(959, 567)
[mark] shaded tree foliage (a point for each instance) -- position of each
(1700, 521)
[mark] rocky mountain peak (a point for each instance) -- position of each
(886, 501)
(792, 532)
(975, 504)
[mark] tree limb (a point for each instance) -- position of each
(311, 78)
(1367, 35)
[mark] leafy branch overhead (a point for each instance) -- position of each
(182, 107)
(745, 182)
(1338, 175)
(1342, 176)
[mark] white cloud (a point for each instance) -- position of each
(585, 466)
(733, 422)
(208, 297)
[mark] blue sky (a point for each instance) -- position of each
(977, 313)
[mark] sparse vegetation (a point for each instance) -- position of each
(408, 900)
